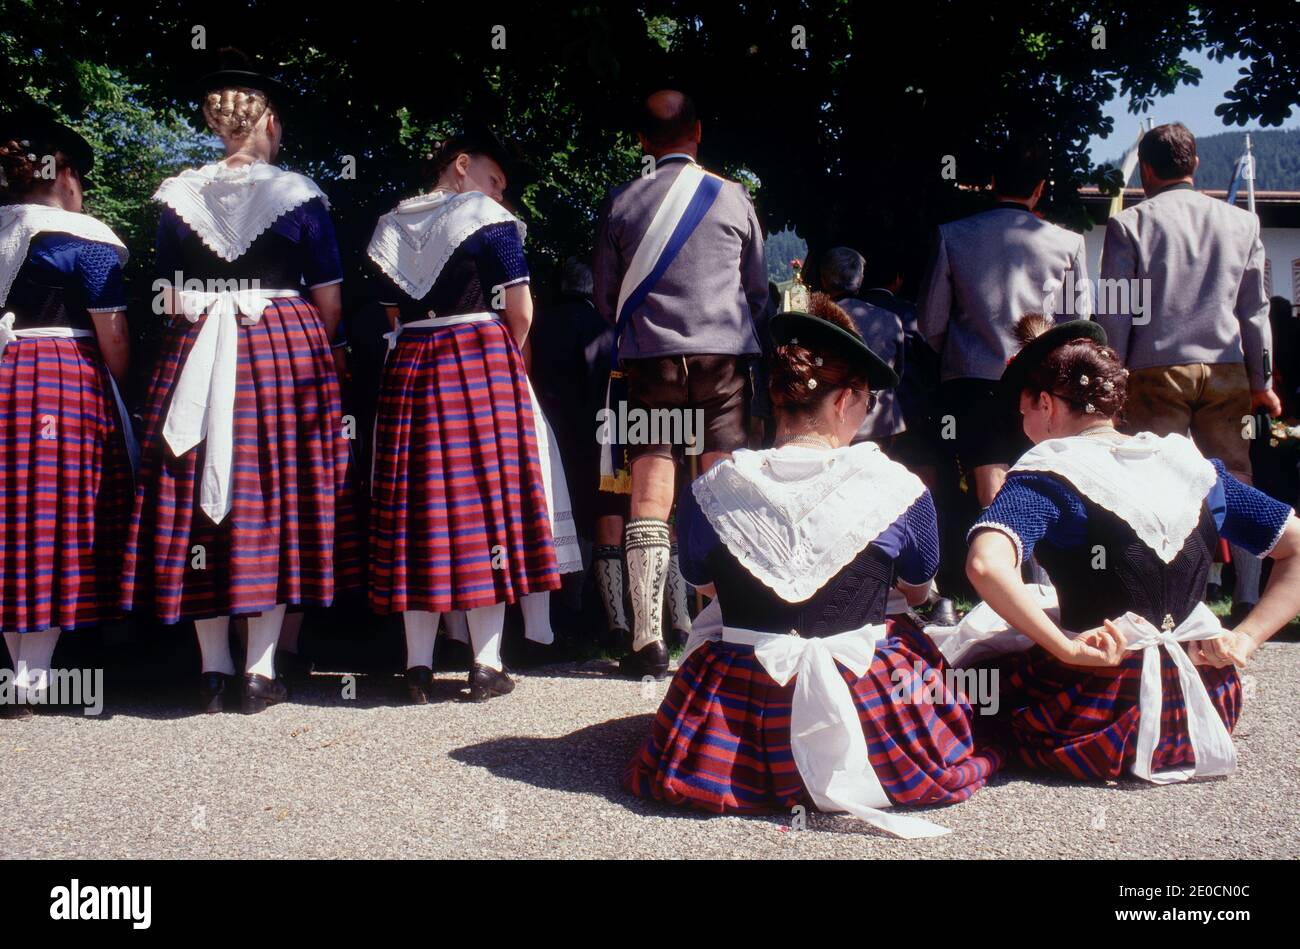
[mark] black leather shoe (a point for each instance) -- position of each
(259, 692)
(419, 685)
(212, 691)
(484, 683)
(649, 660)
(944, 613)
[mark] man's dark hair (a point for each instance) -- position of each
(1019, 166)
(1170, 150)
(662, 127)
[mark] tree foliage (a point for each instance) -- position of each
(841, 133)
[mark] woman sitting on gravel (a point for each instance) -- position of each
(1126, 528)
(796, 689)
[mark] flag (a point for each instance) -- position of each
(1244, 170)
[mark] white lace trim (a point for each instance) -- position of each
(1156, 485)
(794, 517)
(414, 241)
(230, 207)
(1278, 536)
(1001, 528)
(19, 223)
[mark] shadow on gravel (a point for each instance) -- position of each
(591, 761)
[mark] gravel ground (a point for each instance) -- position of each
(536, 774)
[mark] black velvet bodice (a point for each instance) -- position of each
(853, 598)
(272, 260)
(43, 302)
(1132, 578)
(459, 289)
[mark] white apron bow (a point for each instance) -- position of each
(203, 403)
(826, 736)
(1211, 743)
(9, 335)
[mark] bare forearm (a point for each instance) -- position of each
(992, 570)
(114, 342)
(1280, 602)
(329, 301)
(518, 312)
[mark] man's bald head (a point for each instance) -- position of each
(668, 122)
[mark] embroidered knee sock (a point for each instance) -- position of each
(421, 637)
(609, 583)
(536, 608)
(263, 635)
(214, 644)
(645, 543)
(1248, 568)
(485, 626)
(680, 612)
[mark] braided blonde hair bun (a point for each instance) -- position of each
(233, 113)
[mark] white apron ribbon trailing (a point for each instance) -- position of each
(1211, 744)
(203, 404)
(826, 736)
(10, 335)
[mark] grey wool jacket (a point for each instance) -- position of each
(707, 299)
(1201, 266)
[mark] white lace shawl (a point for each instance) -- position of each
(1156, 485)
(229, 207)
(19, 223)
(414, 241)
(794, 516)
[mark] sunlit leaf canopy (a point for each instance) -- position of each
(841, 133)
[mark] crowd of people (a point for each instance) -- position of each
(796, 490)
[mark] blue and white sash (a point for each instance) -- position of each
(683, 208)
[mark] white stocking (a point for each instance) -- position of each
(485, 626)
(214, 644)
(537, 617)
(263, 635)
(421, 637)
(33, 673)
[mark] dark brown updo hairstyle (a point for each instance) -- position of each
(1086, 374)
(474, 140)
(21, 163)
(803, 374)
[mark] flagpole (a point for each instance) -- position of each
(1250, 176)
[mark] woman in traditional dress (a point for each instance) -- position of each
(65, 472)
(795, 689)
(468, 511)
(1126, 528)
(244, 502)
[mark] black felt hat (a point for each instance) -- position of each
(39, 125)
(814, 332)
(477, 138)
(236, 70)
(1041, 346)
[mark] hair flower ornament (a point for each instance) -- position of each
(817, 360)
(812, 383)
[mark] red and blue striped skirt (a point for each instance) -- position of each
(291, 534)
(1083, 722)
(65, 484)
(458, 510)
(721, 738)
